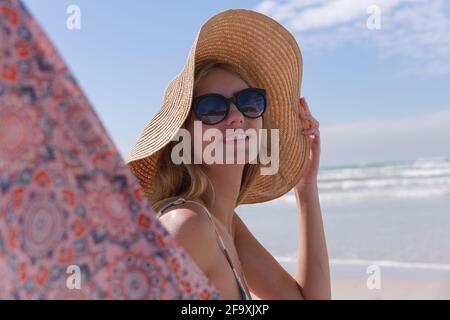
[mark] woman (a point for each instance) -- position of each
(234, 81)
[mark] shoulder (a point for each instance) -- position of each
(190, 226)
(187, 220)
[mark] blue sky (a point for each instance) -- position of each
(380, 95)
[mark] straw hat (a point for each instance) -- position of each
(270, 56)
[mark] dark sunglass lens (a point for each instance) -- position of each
(251, 103)
(211, 110)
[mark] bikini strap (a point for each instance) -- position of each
(168, 205)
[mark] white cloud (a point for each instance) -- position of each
(317, 14)
(373, 141)
(416, 31)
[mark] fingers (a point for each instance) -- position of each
(304, 106)
(311, 132)
(305, 115)
(301, 108)
(311, 121)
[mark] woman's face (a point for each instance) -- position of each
(227, 84)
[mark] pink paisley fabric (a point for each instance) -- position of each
(66, 197)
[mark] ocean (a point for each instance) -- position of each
(422, 178)
(394, 214)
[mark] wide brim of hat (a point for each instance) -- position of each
(271, 57)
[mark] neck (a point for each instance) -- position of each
(226, 180)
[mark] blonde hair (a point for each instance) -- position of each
(189, 180)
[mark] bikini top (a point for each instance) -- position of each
(242, 286)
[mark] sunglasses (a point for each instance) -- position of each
(213, 108)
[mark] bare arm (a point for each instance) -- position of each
(312, 271)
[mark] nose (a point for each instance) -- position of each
(235, 118)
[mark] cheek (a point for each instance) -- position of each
(211, 136)
(197, 137)
(189, 125)
(256, 123)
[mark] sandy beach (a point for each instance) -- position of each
(392, 289)
(396, 283)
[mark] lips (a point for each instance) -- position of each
(235, 136)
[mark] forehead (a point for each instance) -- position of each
(220, 81)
